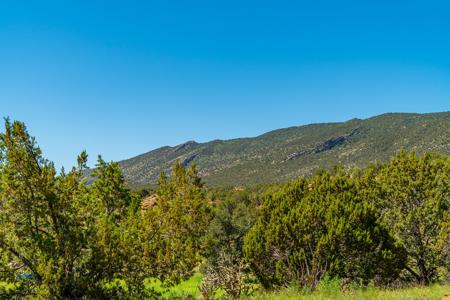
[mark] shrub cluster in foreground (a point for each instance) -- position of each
(383, 224)
(62, 237)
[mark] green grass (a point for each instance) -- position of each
(327, 290)
(186, 289)
(435, 292)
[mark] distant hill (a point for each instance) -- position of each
(284, 154)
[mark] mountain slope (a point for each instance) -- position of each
(285, 154)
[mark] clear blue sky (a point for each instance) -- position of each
(120, 78)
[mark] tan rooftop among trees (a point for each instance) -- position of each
(149, 202)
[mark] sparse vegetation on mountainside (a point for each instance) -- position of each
(285, 154)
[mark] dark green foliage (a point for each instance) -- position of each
(41, 234)
(323, 226)
(234, 214)
(414, 200)
(63, 239)
(175, 228)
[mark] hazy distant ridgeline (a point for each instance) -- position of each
(285, 154)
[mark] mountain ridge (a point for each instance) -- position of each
(283, 154)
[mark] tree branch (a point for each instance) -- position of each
(22, 258)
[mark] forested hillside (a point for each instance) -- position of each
(285, 154)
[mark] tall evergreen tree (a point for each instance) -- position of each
(62, 239)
